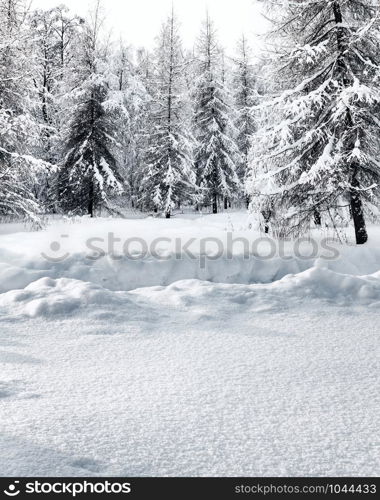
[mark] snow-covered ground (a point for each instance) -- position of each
(160, 367)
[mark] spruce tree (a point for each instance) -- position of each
(217, 155)
(168, 176)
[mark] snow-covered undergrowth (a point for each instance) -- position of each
(23, 255)
(159, 367)
(47, 296)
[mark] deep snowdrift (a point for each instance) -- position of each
(23, 255)
(150, 367)
(48, 297)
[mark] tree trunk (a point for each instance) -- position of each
(215, 205)
(225, 203)
(317, 218)
(167, 215)
(355, 199)
(267, 214)
(91, 199)
(357, 214)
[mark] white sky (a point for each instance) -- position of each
(139, 21)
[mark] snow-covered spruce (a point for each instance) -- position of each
(168, 178)
(89, 174)
(217, 155)
(317, 148)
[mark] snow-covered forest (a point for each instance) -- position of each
(90, 125)
(190, 242)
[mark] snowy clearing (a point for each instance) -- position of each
(160, 368)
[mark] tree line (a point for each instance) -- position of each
(89, 125)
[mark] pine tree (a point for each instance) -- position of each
(216, 152)
(168, 176)
(322, 144)
(89, 174)
(245, 97)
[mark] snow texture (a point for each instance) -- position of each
(148, 371)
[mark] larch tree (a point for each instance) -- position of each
(132, 119)
(89, 173)
(50, 45)
(168, 179)
(19, 130)
(245, 97)
(54, 33)
(320, 146)
(217, 155)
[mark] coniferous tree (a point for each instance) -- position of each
(50, 45)
(134, 98)
(321, 145)
(19, 131)
(217, 155)
(54, 33)
(46, 53)
(89, 174)
(168, 177)
(245, 97)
